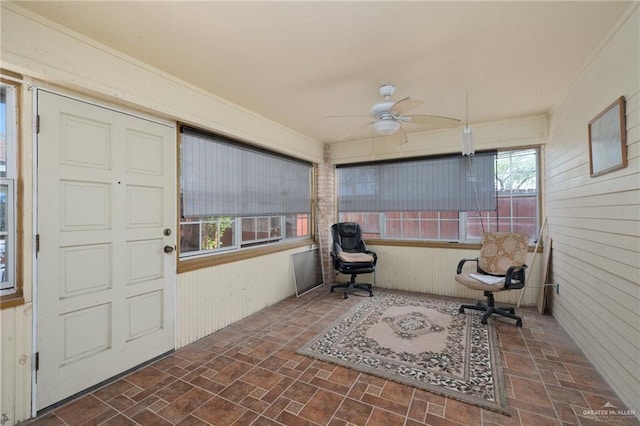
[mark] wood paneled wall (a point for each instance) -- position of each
(595, 222)
(210, 299)
(432, 270)
(15, 365)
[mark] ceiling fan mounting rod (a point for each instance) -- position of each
(387, 91)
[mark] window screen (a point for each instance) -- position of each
(451, 183)
(223, 178)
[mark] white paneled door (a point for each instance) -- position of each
(106, 264)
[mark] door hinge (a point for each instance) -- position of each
(37, 361)
(37, 124)
(37, 243)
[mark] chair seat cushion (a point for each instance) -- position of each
(355, 257)
(476, 284)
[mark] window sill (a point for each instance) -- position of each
(11, 300)
(187, 265)
(431, 244)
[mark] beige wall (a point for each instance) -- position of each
(56, 56)
(520, 132)
(594, 222)
(50, 56)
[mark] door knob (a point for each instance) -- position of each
(168, 249)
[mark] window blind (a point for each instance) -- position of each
(451, 183)
(223, 178)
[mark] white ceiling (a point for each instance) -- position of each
(298, 62)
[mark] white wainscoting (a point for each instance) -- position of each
(15, 364)
(432, 270)
(212, 298)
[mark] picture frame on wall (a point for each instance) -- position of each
(608, 139)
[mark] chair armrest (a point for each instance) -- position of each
(462, 262)
(517, 273)
(335, 257)
(372, 254)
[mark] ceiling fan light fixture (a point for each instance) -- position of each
(386, 127)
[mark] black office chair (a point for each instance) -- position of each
(350, 256)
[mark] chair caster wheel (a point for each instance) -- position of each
(461, 310)
(346, 295)
(511, 311)
(518, 323)
(331, 290)
(483, 321)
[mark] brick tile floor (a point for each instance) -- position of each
(249, 374)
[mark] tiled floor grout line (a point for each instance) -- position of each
(346, 396)
(285, 345)
(268, 343)
(220, 396)
(564, 364)
(176, 380)
(325, 315)
(118, 412)
(407, 418)
(306, 369)
(544, 384)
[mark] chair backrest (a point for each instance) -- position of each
(347, 236)
(501, 250)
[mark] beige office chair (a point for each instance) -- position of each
(499, 267)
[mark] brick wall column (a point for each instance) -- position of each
(326, 210)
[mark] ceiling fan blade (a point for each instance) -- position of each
(348, 116)
(402, 137)
(404, 105)
(357, 131)
(433, 121)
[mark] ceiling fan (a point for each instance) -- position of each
(390, 115)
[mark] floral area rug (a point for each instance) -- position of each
(419, 341)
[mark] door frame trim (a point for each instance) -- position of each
(102, 103)
(34, 254)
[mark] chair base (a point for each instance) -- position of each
(490, 309)
(351, 285)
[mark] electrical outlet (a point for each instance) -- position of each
(558, 289)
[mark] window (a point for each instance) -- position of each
(8, 144)
(429, 215)
(518, 197)
(234, 196)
